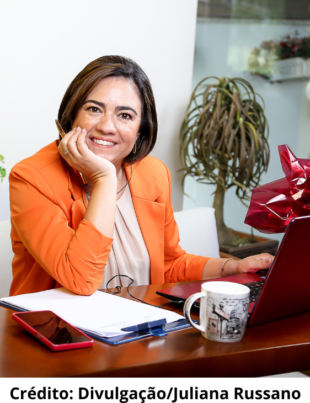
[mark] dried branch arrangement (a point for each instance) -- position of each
(223, 141)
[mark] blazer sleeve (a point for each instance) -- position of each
(75, 259)
(179, 266)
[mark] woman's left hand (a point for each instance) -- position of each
(254, 263)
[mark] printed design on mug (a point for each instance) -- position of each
(210, 301)
(213, 326)
(231, 315)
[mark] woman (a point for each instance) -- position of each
(69, 200)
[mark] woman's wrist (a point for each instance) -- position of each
(213, 268)
(230, 267)
(102, 203)
(103, 178)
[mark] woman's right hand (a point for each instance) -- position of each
(82, 158)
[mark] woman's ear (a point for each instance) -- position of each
(136, 139)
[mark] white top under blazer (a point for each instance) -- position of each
(129, 254)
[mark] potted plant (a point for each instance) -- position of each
(223, 142)
(2, 170)
(281, 60)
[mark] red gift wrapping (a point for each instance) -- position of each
(275, 204)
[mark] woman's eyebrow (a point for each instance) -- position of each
(118, 108)
(95, 102)
(125, 108)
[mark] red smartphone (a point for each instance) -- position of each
(53, 331)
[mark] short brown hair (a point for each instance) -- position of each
(91, 75)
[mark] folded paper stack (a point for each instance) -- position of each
(275, 204)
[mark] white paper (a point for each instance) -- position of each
(101, 313)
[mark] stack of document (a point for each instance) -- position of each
(101, 315)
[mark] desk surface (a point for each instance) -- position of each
(277, 347)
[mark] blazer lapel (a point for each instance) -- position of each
(151, 216)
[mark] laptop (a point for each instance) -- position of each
(284, 290)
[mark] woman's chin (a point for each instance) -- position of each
(105, 156)
(110, 158)
(103, 153)
(108, 154)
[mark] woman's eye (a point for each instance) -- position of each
(125, 116)
(93, 109)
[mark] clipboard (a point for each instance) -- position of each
(148, 329)
(157, 331)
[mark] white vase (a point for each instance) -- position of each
(287, 69)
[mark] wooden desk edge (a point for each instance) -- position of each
(187, 354)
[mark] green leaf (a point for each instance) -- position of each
(2, 172)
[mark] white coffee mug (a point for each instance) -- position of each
(223, 310)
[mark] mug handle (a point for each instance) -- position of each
(187, 308)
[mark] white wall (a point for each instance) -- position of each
(44, 44)
(222, 49)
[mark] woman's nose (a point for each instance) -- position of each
(106, 124)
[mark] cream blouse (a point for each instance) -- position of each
(129, 254)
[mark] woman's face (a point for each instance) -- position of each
(111, 114)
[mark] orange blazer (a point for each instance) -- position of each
(54, 246)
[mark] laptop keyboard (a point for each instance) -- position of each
(255, 289)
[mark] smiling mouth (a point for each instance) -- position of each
(102, 143)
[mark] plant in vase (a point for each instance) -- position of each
(223, 142)
(2, 170)
(267, 59)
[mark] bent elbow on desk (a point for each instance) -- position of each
(78, 276)
(74, 260)
(81, 269)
